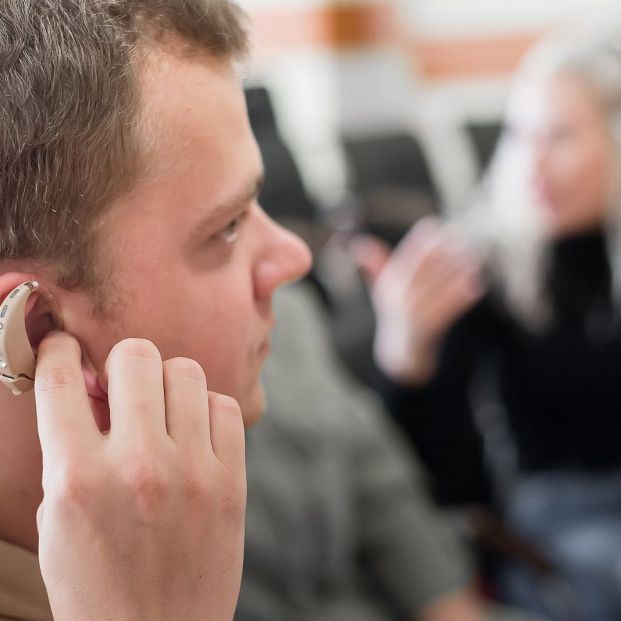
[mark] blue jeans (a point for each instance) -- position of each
(574, 518)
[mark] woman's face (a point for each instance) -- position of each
(559, 128)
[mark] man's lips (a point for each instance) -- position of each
(265, 348)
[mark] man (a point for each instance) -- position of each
(128, 184)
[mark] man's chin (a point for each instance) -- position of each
(253, 406)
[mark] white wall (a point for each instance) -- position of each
(320, 93)
(467, 17)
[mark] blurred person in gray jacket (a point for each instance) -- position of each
(339, 525)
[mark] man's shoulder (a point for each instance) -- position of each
(23, 596)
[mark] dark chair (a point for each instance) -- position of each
(392, 179)
(284, 196)
(484, 139)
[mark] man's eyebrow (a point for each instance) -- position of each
(229, 206)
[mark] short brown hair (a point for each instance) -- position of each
(69, 108)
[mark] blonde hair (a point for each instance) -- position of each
(502, 221)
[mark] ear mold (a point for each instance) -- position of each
(17, 362)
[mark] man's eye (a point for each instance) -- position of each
(230, 232)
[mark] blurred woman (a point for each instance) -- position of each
(533, 299)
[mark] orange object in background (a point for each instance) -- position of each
(366, 25)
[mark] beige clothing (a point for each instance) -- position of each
(22, 592)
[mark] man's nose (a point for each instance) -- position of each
(286, 258)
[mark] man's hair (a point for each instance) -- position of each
(70, 112)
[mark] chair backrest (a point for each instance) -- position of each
(484, 138)
(389, 160)
(284, 196)
(392, 179)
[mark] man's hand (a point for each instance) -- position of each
(146, 522)
(418, 292)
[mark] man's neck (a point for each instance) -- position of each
(20, 471)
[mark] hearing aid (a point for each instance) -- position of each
(17, 361)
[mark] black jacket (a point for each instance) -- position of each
(561, 388)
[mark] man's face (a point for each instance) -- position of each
(195, 259)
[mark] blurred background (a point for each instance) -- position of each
(426, 80)
(372, 113)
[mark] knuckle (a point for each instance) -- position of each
(218, 493)
(196, 489)
(136, 348)
(141, 406)
(224, 403)
(57, 378)
(232, 501)
(69, 488)
(145, 483)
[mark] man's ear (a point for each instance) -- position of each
(41, 316)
